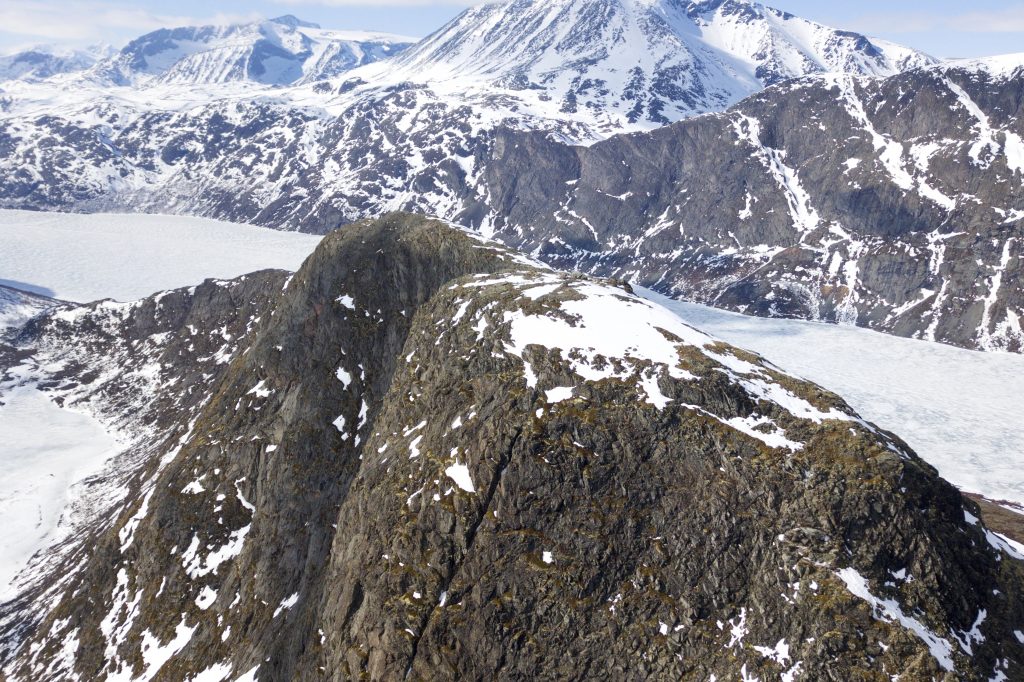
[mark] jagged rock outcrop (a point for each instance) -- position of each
(145, 370)
(428, 458)
(612, 65)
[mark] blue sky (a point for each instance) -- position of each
(945, 28)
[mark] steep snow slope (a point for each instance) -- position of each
(615, 64)
(125, 257)
(728, 193)
(17, 305)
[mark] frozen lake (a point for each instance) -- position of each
(961, 410)
(84, 258)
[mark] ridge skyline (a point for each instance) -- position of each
(942, 29)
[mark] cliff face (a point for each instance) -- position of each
(893, 204)
(425, 457)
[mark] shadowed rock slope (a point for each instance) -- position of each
(893, 204)
(424, 457)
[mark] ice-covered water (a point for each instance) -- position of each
(961, 410)
(126, 257)
(46, 452)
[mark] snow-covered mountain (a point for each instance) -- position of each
(281, 51)
(506, 118)
(43, 62)
(621, 63)
(583, 68)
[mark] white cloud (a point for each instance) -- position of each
(385, 3)
(1008, 20)
(85, 21)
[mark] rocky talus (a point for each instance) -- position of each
(427, 457)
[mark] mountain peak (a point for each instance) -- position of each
(639, 63)
(294, 22)
(500, 457)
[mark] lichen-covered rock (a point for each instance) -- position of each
(432, 459)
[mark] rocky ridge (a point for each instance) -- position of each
(424, 456)
(893, 204)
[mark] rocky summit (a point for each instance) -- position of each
(424, 456)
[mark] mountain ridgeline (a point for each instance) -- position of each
(865, 185)
(894, 204)
(275, 52)
(426, 457)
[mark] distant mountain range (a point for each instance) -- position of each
(281, 51)
(43, 62)
(721, 151)
(588, 68)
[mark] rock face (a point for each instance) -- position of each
(894, 204)
(425, 457)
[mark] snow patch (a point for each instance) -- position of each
(889, 611)
(460, 474)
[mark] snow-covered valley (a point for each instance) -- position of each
(84, 258)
